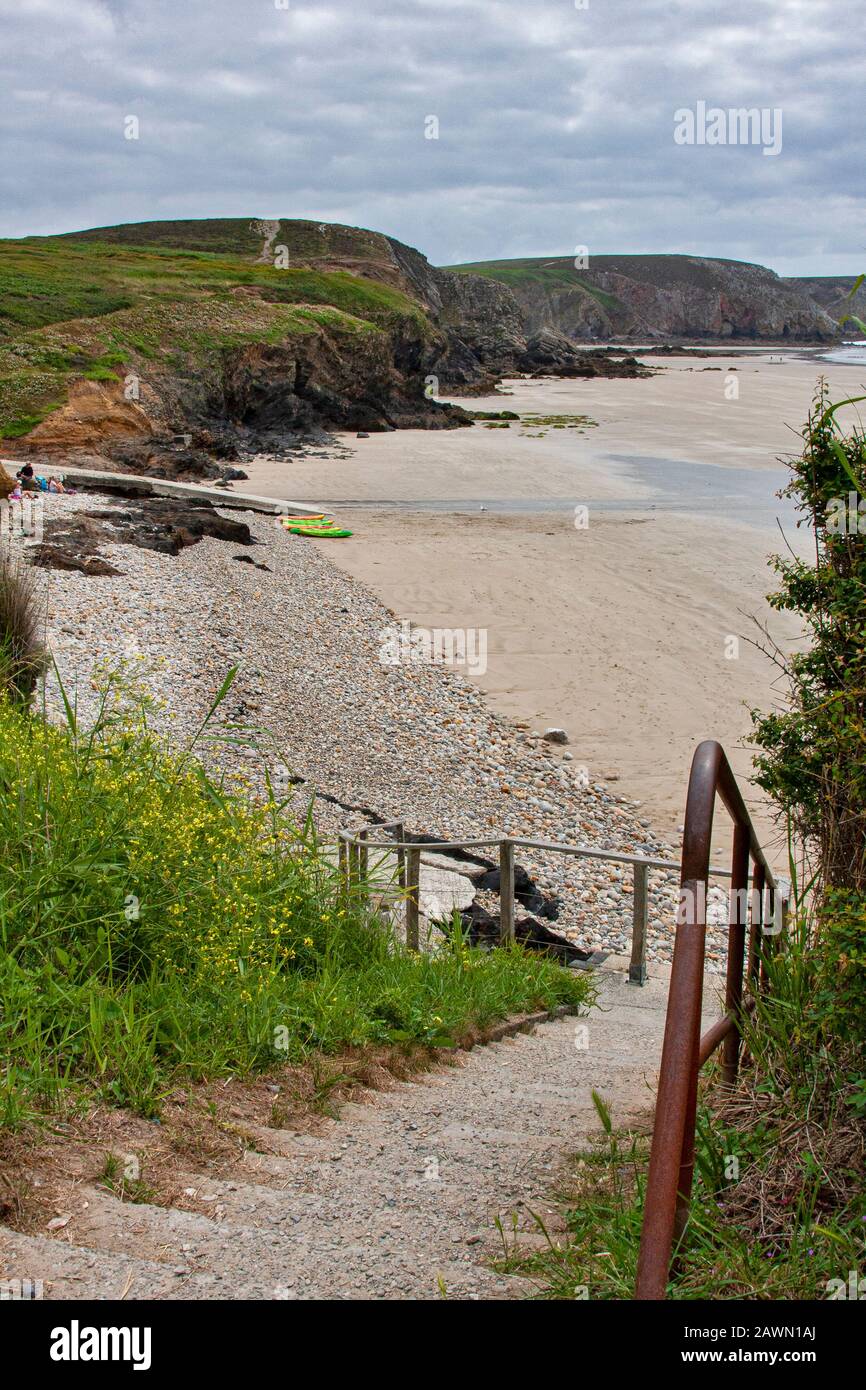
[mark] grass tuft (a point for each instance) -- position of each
(22, 655)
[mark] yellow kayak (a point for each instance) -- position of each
(334, 532)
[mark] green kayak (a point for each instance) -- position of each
(319, 532)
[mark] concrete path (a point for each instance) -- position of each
(148, 486)
(397, 1198)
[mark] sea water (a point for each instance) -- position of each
(852, 354)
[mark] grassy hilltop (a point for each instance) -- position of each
(173, 295)
(278, 326)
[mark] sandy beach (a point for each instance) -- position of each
(629, 629)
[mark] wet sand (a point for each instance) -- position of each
(631, 631)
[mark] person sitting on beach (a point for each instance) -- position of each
(26, 478)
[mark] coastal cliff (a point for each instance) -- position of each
(661, 298)
(144, 332)
(837, 295)
(244, 335)
(247, 335)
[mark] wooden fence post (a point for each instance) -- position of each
(354, 865)
(400, 834)
(363, 853)
(343, 865)
(413, 894)
(637, 971)
(506, 892)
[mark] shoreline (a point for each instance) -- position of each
(615, 632)
(618, 633)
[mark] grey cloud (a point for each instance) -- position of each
(556, 124)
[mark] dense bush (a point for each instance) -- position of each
(813, 755)
(812, 758)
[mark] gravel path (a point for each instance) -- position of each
(395, 1199)
(413, 742)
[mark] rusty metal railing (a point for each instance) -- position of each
(672, 1157)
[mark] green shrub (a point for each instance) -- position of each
(839, 999)
(812, 758)
(157, 924)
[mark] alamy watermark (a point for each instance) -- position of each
(854, 1287)
(733, 125)
(846, 516)
(77, 1343)
(405, 645)
(21, 1290)
(746, 904)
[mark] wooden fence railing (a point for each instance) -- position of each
(355, 847)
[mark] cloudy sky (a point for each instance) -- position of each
(556, 121)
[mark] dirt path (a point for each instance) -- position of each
(268, 228)
(396, 1199)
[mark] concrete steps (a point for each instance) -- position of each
(393, 1200)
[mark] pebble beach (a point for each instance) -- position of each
(313, 700)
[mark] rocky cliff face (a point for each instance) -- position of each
(253, 396)
(479, 322)
(481, 319)
(834, 294)
(714, 299)
(372, 382)
(660, 298)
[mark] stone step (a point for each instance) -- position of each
(69, 1271)
(158, 1252)
(400, 1193)
(78, 1273)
